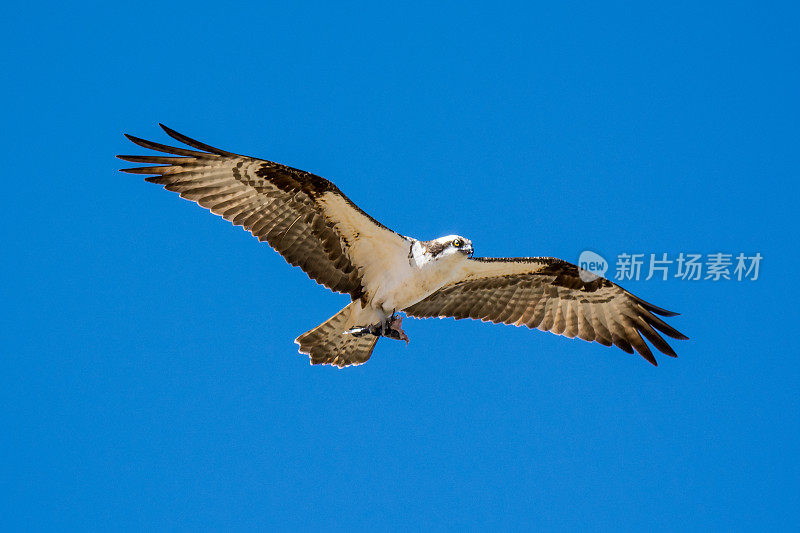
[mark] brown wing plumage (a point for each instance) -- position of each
(549, 294)
(288, 208)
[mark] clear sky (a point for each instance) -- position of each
(149, 376)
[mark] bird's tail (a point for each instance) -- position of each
(328, 344)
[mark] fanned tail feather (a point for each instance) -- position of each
(328, 344)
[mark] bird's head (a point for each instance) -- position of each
(448, 246)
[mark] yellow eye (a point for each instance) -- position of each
(457, 243)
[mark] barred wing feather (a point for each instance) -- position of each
(304, 217)
(549, 294)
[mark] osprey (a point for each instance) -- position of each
(313, 225)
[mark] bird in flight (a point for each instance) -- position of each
(314, 226)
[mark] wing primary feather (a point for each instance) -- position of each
(158, 147)
(159, 170)
(194, 143)
(643, 349)
(155, 159)
(651, 307)
(656, 339)
(621, 343)
(665, 328)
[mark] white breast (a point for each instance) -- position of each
(415, 279)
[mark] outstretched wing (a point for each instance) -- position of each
(549, 294)
(306, 218)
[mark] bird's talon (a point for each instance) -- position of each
(396, 331)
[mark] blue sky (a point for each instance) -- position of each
(149, 375)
